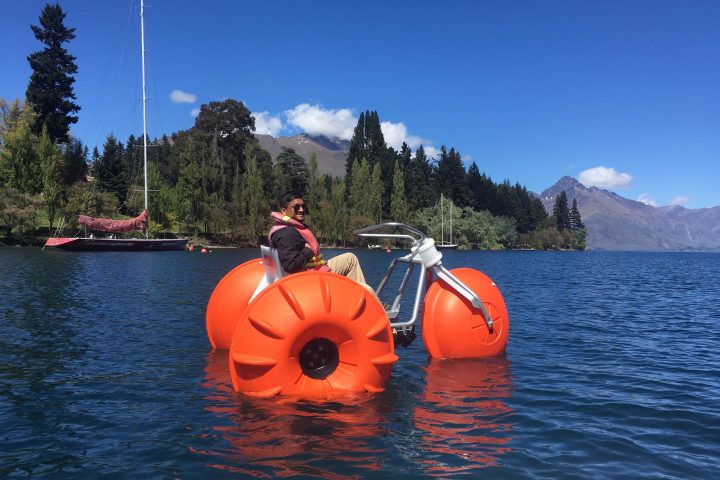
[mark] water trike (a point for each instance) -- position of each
(316, 332)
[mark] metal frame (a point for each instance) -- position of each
(423, 253)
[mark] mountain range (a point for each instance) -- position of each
(617, 223)
(613, 222)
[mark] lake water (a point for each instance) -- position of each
(612, 371)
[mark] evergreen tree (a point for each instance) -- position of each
(19, 164)
(483, 191)
(405, 156)
(75, 162)
(192, 197)
(295, 168)
(50, 162)
(418, 182)
(452, 178)
(561, 212)
(9, 115)
(357, 150)
(255, 205)
(280, 184)
(376, 194)
(575, 220)
(110, 171)
(337, 212)
(398, 202)
(231, 124)
(50, 91)
(359, 194)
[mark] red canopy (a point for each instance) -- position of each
(109, 225)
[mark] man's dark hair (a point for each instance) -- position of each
(288, 197)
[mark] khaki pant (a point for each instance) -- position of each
(348, 265)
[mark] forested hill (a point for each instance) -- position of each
(617, 223)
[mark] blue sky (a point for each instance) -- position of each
(624, 95)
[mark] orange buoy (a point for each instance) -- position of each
(203, 250)
(191, 248)
(229, 299)
(453, 328)
(312, 333)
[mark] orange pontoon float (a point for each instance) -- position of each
(319, 332)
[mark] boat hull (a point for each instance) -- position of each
(116, 244)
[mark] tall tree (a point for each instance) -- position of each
(109, 169)
(232, 124)
(376, 194)
(398, 202)
(50, 162)
(337, 214)
(50, 91)
(295, 168)
(358, 196)
(19, 164)
(255, 204)
(75, 162)
(419, 177)
(357, 150)
(561, 212)
(575, 220)
(452, 178)
(9, 115)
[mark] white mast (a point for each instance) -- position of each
(451, 205)
(144, 101)
(442, 221)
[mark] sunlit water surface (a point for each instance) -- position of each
(612, 371)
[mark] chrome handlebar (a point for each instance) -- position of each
(367, 232)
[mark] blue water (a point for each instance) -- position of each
(612, 371)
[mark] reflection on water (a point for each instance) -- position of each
(290, 436)
(464, 421)
(460, 414)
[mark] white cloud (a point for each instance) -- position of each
(315, 120)
(178, 96)
(195, 112)
(645, 198)
(431, 152)
(680, 201)
(397, 133)
(604, 177)
(266, 124)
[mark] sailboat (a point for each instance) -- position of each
(442, 243)
(111, 227)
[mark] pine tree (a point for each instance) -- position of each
(75, 163)
(452, 178)
(575, 220)
(357, 150)
(398, 203)
(337, 213)
(255, 205)
(419, 182)
(358, 196)
(50, 162)
(110, 171)
(376, 194)
(295, 168)
(561, 212)
(50, 91)
(19, 164)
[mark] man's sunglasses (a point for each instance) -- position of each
(298, 206)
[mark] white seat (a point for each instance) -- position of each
(273, 269)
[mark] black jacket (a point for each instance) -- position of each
(291, 249)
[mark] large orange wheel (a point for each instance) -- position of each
(453, 328)
(312, 333)
(230, 297)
